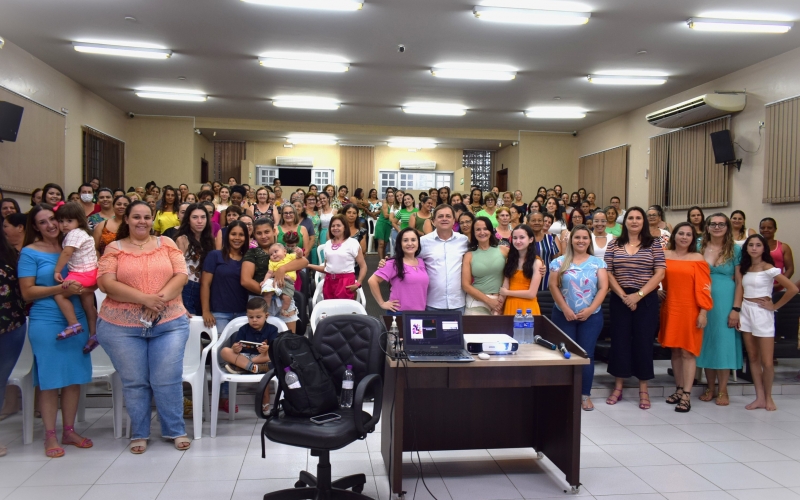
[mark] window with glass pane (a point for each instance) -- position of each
(388, 179)
(481, 164)
(322, 177)
(265, 176)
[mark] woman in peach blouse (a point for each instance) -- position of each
(687, 287)
(143, 326)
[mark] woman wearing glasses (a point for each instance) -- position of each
(290, 224)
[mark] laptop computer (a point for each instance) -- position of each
(434, 337)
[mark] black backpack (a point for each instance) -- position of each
(317, 393)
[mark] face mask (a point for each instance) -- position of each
(86, 198)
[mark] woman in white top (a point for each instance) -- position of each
(600, 238)
(739, 228)
(224, 198)
(342, 254)
(551, 206)
(655, 219)
(757, 317)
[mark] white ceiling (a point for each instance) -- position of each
(216, 44)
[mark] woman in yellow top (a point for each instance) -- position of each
(522, 273)
(167, 217)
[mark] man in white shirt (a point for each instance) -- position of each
(443, 251)
(615, 201)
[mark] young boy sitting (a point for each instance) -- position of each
(241, 358)
(279, 257)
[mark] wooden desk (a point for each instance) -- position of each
(531, 399)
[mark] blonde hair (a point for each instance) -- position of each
(727, 241)
(569, 255)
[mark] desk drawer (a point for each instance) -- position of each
(509, 376)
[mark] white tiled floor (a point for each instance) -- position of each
(710, 453)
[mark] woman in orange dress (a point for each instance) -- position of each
(522, 273)
(687, 285)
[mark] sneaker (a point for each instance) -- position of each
(233, 369)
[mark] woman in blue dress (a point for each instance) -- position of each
(722, 343)
(59, 364)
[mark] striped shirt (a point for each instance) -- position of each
(547, 250)
(634, 271)
(403, 216)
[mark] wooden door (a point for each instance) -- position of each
(501, 180)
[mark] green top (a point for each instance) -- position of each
(615, 231)
(493, 217)
(419, 222)
(403, 215)
(487, 270)
(299, 235)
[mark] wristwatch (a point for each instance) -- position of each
(737, 309)
(640, 294)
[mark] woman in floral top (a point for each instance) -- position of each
(195, 241)
(12, 316)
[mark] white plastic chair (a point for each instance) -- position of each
(22, 377)
(371, 248)
(194, 370)
(103, 369)
(219, 375)
(333, 307)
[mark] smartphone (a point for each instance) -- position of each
(249, 345)
(327, 417)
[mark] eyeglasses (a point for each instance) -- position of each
(652, 215)
(717, 225)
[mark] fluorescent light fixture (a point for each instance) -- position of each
(626, 80)
(303, 102)
(412, 144)
(629, 72)
(555, 112)
(320, 140)
(472, 71)
(171, 94)
(531, 16)
(434, 108)
(122, 50)
(2, 42)
(304, 62)
(739, 25)
(311, 4)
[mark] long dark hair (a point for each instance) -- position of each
(702, 218)
(671, 243)
(747, 261)
(512, 263)
(560, 211)
(8, 254)
(51, 185)
(226, 241)
(31, 234)
(398, 251)
(124, 230)
(479, 190)
(473, 241)
(33, 194)
(644, 236)
(176, 204)
(206, 242)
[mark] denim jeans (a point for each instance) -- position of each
(457, 309)
(150, 363)
(191, 298)
(224, 318)
(10, 346)
(585, 334)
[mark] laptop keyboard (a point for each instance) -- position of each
(436, 353)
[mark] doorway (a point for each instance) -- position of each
(501, 180)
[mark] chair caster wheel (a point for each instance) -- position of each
(358, 488)
(299, 484)
(575, 490)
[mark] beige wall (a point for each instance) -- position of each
(161, 149)
(27, 75)
(767, 81)
(203, 149)
(508, 158)
(545, 160)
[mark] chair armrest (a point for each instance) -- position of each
(214, 339)
(366, 382)
(262, 387)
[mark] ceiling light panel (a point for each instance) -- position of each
(555, 112)
(531, 16)
(321, 140)
(304, 62)
(303, 102)
(474, 71)
(341, 5)
(434, 108)
(171, 94)
(412, 144)
(122, 50)
(626, 80)
(739, 25)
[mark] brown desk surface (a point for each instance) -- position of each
(527, 355)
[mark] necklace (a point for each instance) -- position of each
(140, 245)
(335, 246)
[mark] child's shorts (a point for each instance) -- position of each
(87, 279)
(287, 289)
(757, 320)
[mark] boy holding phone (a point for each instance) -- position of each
(249, 351)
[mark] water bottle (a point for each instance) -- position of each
(346, 400)
(519, 327)
(292, 382)
(394, 337)
(528, 327)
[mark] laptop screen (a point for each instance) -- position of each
(422, 328)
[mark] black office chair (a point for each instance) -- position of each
(340, 340)
(301, 303)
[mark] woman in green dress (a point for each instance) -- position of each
(383, 227)
(722, 343)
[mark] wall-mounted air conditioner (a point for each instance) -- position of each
(700, 109)
(294, 161)
(417, 165)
